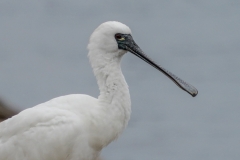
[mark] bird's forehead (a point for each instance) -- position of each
(113, 27)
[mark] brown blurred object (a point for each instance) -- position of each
(6, 111)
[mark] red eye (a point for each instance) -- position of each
(118, 36)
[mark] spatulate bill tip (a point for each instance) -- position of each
(194, 94)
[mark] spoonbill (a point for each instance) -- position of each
(78, 126)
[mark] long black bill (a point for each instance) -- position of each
(132, 47)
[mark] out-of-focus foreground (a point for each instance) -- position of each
(6, 111)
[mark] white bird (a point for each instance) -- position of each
(78, 127)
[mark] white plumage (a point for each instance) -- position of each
(77, 127)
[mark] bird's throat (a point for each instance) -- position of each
(114, 92)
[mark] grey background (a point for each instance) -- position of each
(43, 55)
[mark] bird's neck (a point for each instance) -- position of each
(114, 93)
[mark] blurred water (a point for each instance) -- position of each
(43, 55)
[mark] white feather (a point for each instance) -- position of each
(75, 127)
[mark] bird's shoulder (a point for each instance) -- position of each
(61, 113)
(48, 127)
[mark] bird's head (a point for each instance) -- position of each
(109, 37)
(112, 39)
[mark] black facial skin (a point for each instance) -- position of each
(126, 42)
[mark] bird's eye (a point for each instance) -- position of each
(118, 36)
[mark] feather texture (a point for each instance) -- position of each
(75, 127)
